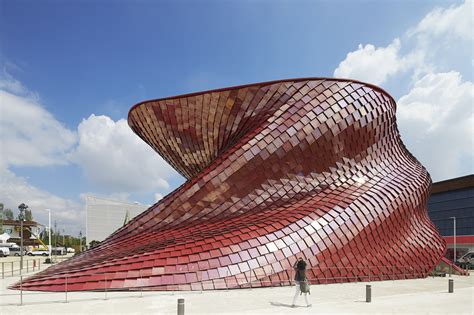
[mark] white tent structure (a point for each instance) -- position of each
(4, 237)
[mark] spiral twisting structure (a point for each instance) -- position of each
(310, 167)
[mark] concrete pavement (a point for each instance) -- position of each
(419, 296)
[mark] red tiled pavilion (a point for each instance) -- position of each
(310, 167)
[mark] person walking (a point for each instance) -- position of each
(300, 276)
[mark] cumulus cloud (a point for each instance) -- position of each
(373, 64)
(158, 197)
(115, 161)
(30, 135)
(438, 119)
(434, 44)
(435, 115)
(15, 190)
(455, 21)
(112, 156)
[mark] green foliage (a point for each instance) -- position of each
(94, 243)
(8, 214)
(28, 215)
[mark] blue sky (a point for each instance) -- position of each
(81, 65)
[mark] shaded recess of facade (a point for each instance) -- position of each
(454, 198)
(310, 167)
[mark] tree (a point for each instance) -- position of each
(8, 214)
(93, 243)
(28, 215)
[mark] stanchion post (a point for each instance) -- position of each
(180, 306)
(451, 286)
(368, 293)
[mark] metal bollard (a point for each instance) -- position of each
(451, 286)
(368, 293)
(180, 306)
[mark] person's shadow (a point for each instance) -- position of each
(281, 304)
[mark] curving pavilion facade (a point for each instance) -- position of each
(310, 167)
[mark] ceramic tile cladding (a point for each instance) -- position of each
(311, 168)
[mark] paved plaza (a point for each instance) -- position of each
(419, 296)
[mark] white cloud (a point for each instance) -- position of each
(113, 157)
(455, 21)
(435, 44)
(15, 190)
(30, 135)
(373, 64)
(8, 83)
(437, 119)
(158, 197)
(435, 116)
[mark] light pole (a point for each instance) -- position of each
(49, 233)
(22, 209)
(80, 241)
(55, 239)
(454, 226)
(64, 243)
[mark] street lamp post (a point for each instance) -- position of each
(22, 209)
(80, 241)
(49, 233)
(454, 227)
(64, 242)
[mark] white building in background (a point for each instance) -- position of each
(105, 216)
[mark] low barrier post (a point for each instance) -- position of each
(451, 286)
(180, 306)
(368, 293)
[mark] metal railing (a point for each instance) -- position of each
(13, 268)
(263, 277)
